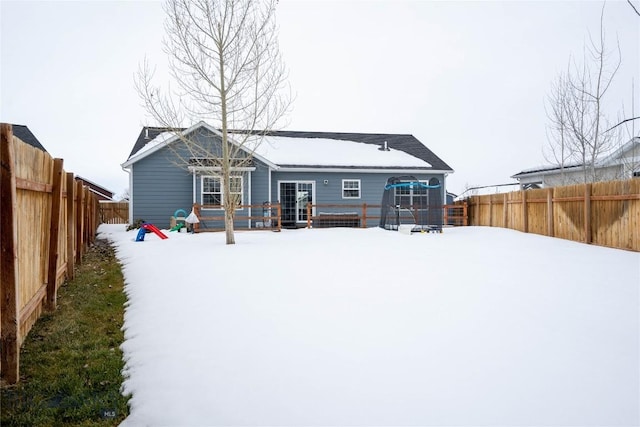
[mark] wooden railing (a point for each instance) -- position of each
(339, 215)
(271, 220)
(317, 215)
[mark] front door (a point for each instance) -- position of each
(294, 197)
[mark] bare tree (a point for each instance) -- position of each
(559, 152)
(578, 124)
(226, 70)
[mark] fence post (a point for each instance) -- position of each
(56, 207)
(364, 215)
(490, 210)
(71, 215)
(79, 222)
(587, 213)
(9, 310)
(279, 210)
(525, 212)
(196, 211)
(308, 215)
(445, 215)
(550, 230)
(505, 216)
(465, 213)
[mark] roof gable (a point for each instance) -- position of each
(145, 145)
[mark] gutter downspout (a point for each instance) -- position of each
(269, 185)
(129, 172)
(194, 188)
(250, 198)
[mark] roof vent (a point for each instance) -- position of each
(146, 133)
(384, 147)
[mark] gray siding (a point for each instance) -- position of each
(162, 183)
(160, 187)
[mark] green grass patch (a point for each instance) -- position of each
(71, 363)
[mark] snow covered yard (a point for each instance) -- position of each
(475, 326)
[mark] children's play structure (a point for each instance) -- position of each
(177, 221)
(409, 202)
(149, 227)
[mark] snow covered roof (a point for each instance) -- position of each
(287, 151)
(488, 189)
(614, 158)
(292, 149)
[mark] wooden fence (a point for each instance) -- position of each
(47, 220)
(113, 212)
(603, 213)
(336, 215)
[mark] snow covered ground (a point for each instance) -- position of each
(475, 326)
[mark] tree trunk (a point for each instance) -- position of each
(228, 226)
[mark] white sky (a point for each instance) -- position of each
(468, 79)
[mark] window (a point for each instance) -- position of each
(350, 188)
(212, 190)
(409, 196)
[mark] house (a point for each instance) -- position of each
(25, 135)
(292, 168)
(102, 194)
(623, 163)
(483, 190)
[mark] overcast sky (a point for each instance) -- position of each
(468, 79)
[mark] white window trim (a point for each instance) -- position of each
(202, 178)
(411, 194)
(359, 189)
(313, 194)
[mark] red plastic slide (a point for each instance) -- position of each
(155, 229)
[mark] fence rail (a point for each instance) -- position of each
(47, 220)
(602, 213)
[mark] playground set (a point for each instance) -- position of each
(411, 204)
(147, 227)
(179, 220)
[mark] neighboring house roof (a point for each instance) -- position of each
(98, 190)
(614, 158)
(27, 136)
(292, 149)
(488, 189)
